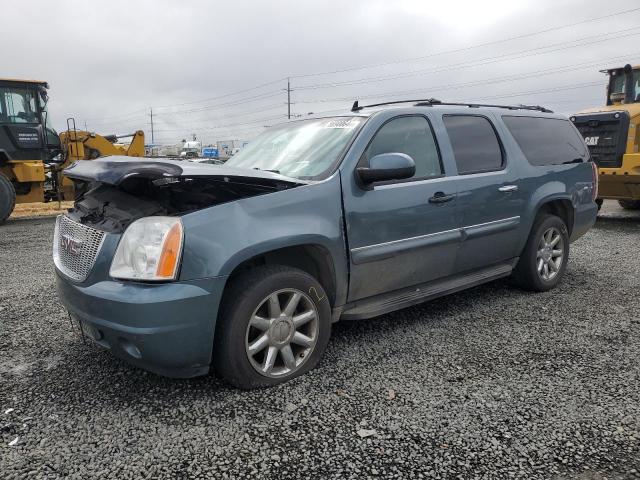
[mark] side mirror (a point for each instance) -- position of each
(387, 166)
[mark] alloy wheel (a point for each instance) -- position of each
(550, 254)
(282, 333)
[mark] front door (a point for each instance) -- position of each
(402, 233)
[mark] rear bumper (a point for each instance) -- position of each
(584, 218)
(164, 328)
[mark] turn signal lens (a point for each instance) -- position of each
(171, 248)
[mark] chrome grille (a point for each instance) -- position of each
(75, 247)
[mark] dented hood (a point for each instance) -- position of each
(116, 169)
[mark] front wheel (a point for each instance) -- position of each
(274, 325)
(544, 258)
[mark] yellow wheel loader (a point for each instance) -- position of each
(32, 155)
(612, 133)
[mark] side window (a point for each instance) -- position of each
(547, 141)
(411, 136)
(475, 145)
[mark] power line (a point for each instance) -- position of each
(266, 108)
(232, 103)
(164, 114)
(136, 113)
(124, 115)
(260, 120)
(488, 60)
(484, 61)
(464, 49)
(536, 92)
(500, 79)
(224, 95)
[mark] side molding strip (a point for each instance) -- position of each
(381, 251)
(489, 228)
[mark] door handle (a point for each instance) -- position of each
(508, 188)
(441, 197)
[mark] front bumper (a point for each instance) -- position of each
(164, 328)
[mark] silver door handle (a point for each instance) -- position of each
(508, 188)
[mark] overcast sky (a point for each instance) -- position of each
(197, 63)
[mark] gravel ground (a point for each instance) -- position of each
(490, 383)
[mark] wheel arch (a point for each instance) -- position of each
(312, 258)
(546, 200)
(560, 207)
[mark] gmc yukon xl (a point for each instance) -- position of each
(180, 268)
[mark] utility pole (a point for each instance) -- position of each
(85, 126)
(152, 139)
(288, 98)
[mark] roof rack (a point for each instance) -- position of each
(429, 102)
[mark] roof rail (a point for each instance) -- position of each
(429, 102)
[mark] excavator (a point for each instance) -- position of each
(612, 133)
(33, 155)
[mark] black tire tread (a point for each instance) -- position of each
(7, 198)
(240, 288)
(525, 274)
(629, 204)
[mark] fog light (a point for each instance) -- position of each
(92, 332)
(129, 347)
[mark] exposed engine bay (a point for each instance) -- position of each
(112, 194)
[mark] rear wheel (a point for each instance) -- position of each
(274, 325)
(630, 204)
(544, 258)
(7, 198)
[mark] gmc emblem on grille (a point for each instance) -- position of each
(70, 245)
(591, 141)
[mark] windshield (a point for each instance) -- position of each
(618, 84)
(305, 149)
(18, 105)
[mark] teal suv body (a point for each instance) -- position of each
(180, 267)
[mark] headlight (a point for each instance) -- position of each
(149, 249)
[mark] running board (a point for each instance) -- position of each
(389, 302)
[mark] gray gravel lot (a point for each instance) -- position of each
(490, 383)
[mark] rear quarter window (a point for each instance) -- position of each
(547, 141)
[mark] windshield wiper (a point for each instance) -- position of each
(575, 160)
(267, 170)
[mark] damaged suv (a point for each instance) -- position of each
(179, 268)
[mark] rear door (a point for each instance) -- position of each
(401, 233)
(490, 199)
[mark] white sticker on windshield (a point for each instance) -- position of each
(340, 123)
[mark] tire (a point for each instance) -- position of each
(630, 204)
(599, 202)
(527, 274)
(249, 296)
(7, 198)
